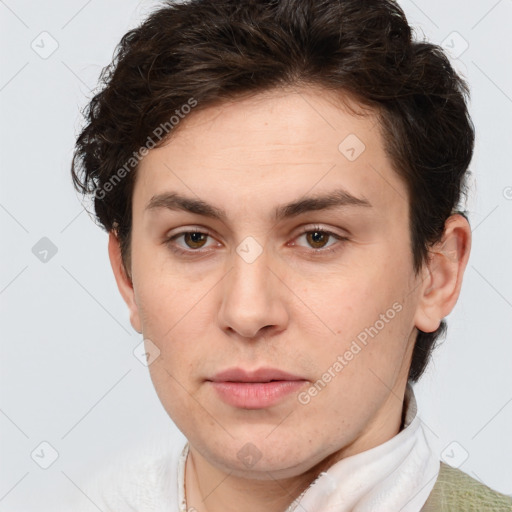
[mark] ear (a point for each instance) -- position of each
(442, 274)
(124, 283)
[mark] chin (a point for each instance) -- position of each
(262, 460)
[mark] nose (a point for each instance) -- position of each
(253, 302)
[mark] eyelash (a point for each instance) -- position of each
(307, 229)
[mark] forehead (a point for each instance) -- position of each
(273, 147)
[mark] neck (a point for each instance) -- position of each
(209, 489)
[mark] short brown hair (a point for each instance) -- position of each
(213, 50)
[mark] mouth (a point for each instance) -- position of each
(257, 389)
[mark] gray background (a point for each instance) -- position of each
(68, 374)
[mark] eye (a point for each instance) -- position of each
(318, 239)
(194, 240)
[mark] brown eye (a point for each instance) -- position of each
(320, 241)
(317, 239)
(189, 243)
(195, 240)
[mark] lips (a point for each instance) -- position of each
(257, 389)
(260, 375)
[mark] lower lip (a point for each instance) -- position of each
(256, 395)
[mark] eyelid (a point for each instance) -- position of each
(189, 229)
(318, 227)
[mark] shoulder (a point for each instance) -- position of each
(454, 490)
(145, 480)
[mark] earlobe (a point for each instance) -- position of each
(443, 273)
(124, 283)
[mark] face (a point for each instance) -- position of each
(272, 269)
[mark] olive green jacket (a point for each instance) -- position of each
(456, 491)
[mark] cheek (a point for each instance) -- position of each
(347, 304)
(179, 399)
(165, 297)
(367, 319)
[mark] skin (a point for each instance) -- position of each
(290, 309)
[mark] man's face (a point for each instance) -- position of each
(268, 287)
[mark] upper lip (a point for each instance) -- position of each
(259, 375)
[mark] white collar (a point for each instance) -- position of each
(397, 475)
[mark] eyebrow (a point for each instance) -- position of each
(337, 199)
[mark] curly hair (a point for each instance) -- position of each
(197, 53)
